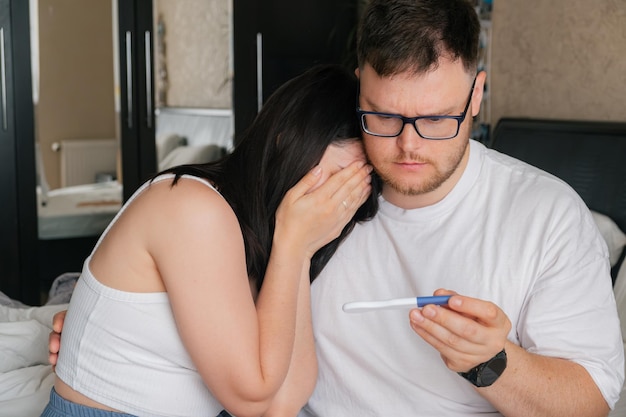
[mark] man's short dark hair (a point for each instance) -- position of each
(395, 36)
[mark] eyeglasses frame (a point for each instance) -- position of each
(412, 120)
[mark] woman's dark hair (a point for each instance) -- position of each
(285, 141)
(395, 36)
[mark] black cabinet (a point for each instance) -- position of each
(136, 131)
(275, 40)
(28, 264)
(18, 216)
(137, 122)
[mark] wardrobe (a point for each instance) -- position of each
(273, 40)
(18, 227)
(28, 263)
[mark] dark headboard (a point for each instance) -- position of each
(589, 156)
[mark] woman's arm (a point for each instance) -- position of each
(242, 350)
(302, 375)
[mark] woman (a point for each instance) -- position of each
(202, 280)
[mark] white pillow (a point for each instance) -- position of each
(191, 155)
(615, 238)
(167, 143)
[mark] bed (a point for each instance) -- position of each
(590, 156)
(25, 375)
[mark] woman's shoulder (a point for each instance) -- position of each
(172, 181)
(164, 222)
(186, 199)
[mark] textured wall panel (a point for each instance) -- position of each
(197, 52)
(563, 59)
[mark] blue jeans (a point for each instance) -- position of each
(60, 407)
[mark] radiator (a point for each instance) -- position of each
(85, 160)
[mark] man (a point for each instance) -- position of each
(518, 246)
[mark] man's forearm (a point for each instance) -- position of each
(536, 386)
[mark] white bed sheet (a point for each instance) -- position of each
(25, 375)
(78, 211)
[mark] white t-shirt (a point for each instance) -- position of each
(508, 233)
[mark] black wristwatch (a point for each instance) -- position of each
(488, 372)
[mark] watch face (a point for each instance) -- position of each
(492, 370)
(488, 372)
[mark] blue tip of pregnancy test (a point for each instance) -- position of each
(440, 300)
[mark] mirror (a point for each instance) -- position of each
(195, 120)
(76, 98)
(76, 115)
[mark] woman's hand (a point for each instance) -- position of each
(311, 219)
(54, 340)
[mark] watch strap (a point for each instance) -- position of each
(488, 372)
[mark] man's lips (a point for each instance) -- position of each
(411, 164)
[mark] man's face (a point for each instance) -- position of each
(418, 172)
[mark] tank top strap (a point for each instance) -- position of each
(140, 190)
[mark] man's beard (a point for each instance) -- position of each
(432, 183)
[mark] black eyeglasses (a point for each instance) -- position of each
(389, 125)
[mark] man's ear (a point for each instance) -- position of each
(477, 94)
(357, 72)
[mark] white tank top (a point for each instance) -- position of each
(122, 349)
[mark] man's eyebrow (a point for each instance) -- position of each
(450, 110)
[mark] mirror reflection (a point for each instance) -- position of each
(76, 98)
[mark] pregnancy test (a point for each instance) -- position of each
(412, 302)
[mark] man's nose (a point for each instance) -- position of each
(409, 139)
